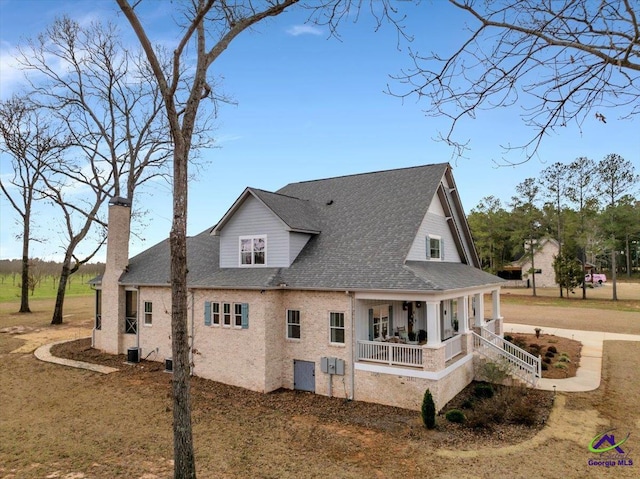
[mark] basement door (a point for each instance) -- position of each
(304, 375)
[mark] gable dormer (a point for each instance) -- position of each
(264, 229)
(443, 234)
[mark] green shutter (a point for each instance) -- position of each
(428, 247)
(371, 324)
(245, 315)
(390, 320)
(207, 313)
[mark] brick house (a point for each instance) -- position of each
(364, 286)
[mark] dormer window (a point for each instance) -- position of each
(253, 250)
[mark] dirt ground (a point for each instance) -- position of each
(58, 422)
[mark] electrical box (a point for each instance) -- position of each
(332, 366)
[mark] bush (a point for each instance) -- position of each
(549, 354)
(455, 415)
(428, 410)
(545, 366)
(560, 366)
(546, 360)
(467, 404)
(535, 346)
(508, 337)
(564, 359)
(552, 349)
(484, 390)
(523, 413)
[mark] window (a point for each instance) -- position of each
(215, 313)
(148, 313)
(434, 247)
(98, 309)
(131, 312)
(381, 322)
(237, 315)
(336, 324)
(293, 324)
(226, 314)
(253, 250)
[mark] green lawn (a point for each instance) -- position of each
(47, 289)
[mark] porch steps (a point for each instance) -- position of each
(508, 358)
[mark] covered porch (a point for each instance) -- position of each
(422, 332)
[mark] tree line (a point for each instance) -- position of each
(591, 208)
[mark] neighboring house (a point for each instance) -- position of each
(518, 272)
(320, 286)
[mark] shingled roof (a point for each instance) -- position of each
(366, 224)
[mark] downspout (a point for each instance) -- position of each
(353, 346)
(138, 322)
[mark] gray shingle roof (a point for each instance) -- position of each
(367, 224)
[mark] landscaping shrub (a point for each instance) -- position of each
(484, 390)
(560, 366)
(545, 366)
(455, 415)
(564, 359)
(549, 354)
(523, 413)
(428, 410)
(467, 404)
(521, 343)
(508, 337)
(546, 360)
(552, 349)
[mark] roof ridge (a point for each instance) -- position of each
(276, 193)
(366, 173)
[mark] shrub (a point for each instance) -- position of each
(428, 410)
(521, 343)
(545, 366)
(552, 349)
(560, 365)
(455, 415)
(546, 360)
(508, 337)
(535, 346)
(523, 413)
(467, 404)
(549, 354)
(564, 359)
(484, 390)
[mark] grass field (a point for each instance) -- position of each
(47, 289)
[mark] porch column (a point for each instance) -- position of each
(463, 315)
(479, 310)
(433, 324)
(495, 298)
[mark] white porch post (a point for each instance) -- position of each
(479, 310)
(463, 315)
(495, 298)
(433, 324)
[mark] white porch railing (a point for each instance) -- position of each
(520, 363)
(490, 326)
(390, 353)
(452, 347)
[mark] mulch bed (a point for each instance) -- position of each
(332, 411)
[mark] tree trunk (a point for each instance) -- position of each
(24, 290)
(584, 284)
(62, 289)
(628, 255)
(184, 467)
(613, 273)
(533, 269)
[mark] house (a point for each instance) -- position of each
(519, 272)
(365, 286)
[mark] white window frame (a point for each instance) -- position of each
(226, 315)
(148, 315)
(439, 239)
(237, 315)
(381, 320)
(252, 264)
(292, 324)
(216, 314)
(333, 328)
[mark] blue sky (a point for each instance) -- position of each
(310, 106)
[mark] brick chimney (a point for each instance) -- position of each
(113, 296)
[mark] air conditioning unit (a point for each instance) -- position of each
(168, 365)
(133, 355)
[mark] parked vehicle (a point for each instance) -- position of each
(595, 278)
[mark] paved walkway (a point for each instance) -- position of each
(588, 374)
(43, 353)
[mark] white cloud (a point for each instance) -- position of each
(297, 30)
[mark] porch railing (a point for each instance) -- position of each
(517, 361)
(490, 326)
(452, 347)
(393, 354)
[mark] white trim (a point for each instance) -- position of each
(413, 373)
(439, 238)
(286, 325)
(252, 264)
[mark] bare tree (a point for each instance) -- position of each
(32, 144)
(112, 109)
(616, 177)
(565, 58)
